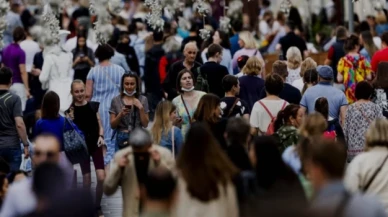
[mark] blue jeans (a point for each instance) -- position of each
(13, 156)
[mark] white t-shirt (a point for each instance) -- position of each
(29, 47)
(298, 83)
(260, 117)
(293, 74)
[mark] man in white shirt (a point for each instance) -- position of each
(30, 47)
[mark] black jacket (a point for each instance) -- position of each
(215, 73)
(151, 69)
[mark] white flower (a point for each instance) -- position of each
(242, 109)
(238, 103)
(223, 105)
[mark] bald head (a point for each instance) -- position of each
(190, 52)
(46, 148)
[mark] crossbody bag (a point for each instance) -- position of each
(187, 111)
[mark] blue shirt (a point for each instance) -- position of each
(328, 199)
(166, 141)
(334, 96)
(234, 44)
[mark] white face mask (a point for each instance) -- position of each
(187, 90)
(129, 94)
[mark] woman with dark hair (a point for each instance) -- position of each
(286, 126)
(358, 118)
(209, 112)
(187, 102)
(275, 181)
(353, 68)
(380, 85)
(205, 186)
(221, 38)
(333, 124)
(83, 58)
(128, 110)
(369, 48)
(102, 85)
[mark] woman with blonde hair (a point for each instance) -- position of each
(163, 131)
(307, 64)
(294, 61)
(251, 85)
(368, 172)
(248, 47)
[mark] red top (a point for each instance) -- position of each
(380, 56)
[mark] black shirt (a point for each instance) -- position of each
(215, 73)
(289, 93)
(169, 84)
(142, 161)
(250, 89)
(151, 70)
(240, 109)
(291, 39)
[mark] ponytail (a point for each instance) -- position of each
(279, 122)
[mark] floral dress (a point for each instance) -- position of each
(181, 110)
(354, 69)
(287, 136)
(357, 121)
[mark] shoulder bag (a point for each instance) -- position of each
(187, 111)
(365, 188)
(74, 144)
(232, 108)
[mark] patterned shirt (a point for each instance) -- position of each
(354, 69)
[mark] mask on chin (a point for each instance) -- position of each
(187, 90)
(129, 94)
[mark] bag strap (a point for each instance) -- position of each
(255, 52)
(284, 105)
(365, 188)
(363, 114)
(232, 108)
(173, 141)
(110, 78)
(187, 111)
(267, 110)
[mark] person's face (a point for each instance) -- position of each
(129, 84)
(237, 88)
(186, 81)
(81, 42)
(370, 21)
(45, 150)
(190, 54)
(173, 116)
(125, 39)
(141, 150)
(317, 38)
(216, 38)
(241, 43)
(78, 92)
(296, 122)
(218, 111)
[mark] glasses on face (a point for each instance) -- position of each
(48, 154)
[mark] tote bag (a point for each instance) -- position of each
(74, 144)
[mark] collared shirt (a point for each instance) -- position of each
(329, 198)
(334, 96)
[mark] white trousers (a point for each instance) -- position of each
(20, 90)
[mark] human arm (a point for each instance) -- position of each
(254, 119)
(89, 89)
(341, 69)
(124, 64)
(178, 140)
(114, 177)
(330, 55)
(375, 62)
(367, 69)
(143, 110)
(116, 113)
(343, 113)
(23, 73)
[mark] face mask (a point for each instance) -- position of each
(187, 90)
(129, 94)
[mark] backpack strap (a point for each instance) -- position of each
(232, 108)
(284, 105)
(267, 110)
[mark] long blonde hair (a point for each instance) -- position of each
(248, 39)
(314, 124)
(162, 124)
(307, 64)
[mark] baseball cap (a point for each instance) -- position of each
(325, 72)
(140, 137)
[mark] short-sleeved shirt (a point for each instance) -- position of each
(334, 96)
(133, 118)
(12, 57)
(240, 109)
(260, 117)
(10, 107)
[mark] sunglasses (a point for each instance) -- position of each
(48, 154)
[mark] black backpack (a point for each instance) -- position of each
(202, 84)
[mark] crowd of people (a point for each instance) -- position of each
(190, 126)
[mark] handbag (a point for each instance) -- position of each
(125, 143)
(74, 144)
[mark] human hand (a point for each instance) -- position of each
(122, 160)
(70, 114)
(178, 121)
(26, 152)
(77, 60)
(100, 141)
(124, 111)
(138, 104)
(155, 155)
(35, 72)
(28, 95)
